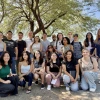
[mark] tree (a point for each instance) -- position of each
(45, 15)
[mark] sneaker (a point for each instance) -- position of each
(36, 82)
(67, 88)
(42, 86)
(92, 90)
(49, 87)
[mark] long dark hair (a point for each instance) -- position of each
(86, 42)
(72, 57)
(58, 37)
(2, 63)
(68, 41)
(28, 54)
(40, 58)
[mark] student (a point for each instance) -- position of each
(70, 69)
(89, 43)
(8, 81)
(53, 71)
(36, 45)
(77, 47)
(89, 71)
(2, 44)
(12, 49)
(53, 43)
(66, 44)
(29, 41)
(45, 44)
(25, 71)
(49, 51)
(70, 36)
(39, 68)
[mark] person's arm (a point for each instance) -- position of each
(41, 47)
(95, 52)
(4, 46)
(71, 47)
(64, 70)
(5, 82)
(77, 72)
(24, 46)
(95, 64)
(48, 71)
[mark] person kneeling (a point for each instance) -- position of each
(53, 71)
(8, 81)
(70, 68)
(25, 71)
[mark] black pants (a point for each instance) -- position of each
(11, 88)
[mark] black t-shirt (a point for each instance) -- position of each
(10, 45)
(71, 66)
(21, 45)
(54, 67)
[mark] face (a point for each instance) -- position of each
(54, 38)
(9, 35)
(60, 36)
(20, 36)
(44, 36)
(65, 41)
(6, 57)
(68, 55)
(70, 35)
(25, 56)
(89, 36)
(37, 54)
(75, 38)
(37, 39)
(30, 34)
(53, 56)
(1, 35)
(85, 53)
(50, 48)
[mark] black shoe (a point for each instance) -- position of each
(42, 86)
(36, 82)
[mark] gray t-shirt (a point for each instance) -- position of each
(45, 44)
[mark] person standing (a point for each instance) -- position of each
(70, 36)
(2, 44)
(11, 47)
(45, 44)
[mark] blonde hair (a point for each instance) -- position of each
(85, 49)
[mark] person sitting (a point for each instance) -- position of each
(25, 71)
(70, 68)
(8, 81)
(53, 71)
(39, 68)
(89, 69)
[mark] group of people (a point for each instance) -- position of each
(64, 60)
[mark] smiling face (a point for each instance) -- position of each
(37, 54)
(6, 57)
(85, 53)
(69, 55)
(53, 56)
(20, 36)
(37, 39)
(89, 35)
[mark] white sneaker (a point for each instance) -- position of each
(92, 90)
(49, 87)
(67, 88)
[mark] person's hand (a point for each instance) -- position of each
(21, 79)
(72, 79)
(54, 77)
(13, 74)
(7, 82)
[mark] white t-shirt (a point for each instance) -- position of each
(36, 46)
(59, 46)
(28, 44)
(89, 47)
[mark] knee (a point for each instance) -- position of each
(10, 87)
(30, 75)
(42, 71)
(66, 78)
(74, 86)
(48, 76)
(84, 87)
(36, 76)
(86, 74)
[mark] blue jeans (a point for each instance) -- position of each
(66, 80)
(13, 68)
(27, 78)
(1, 53)
(88, 80)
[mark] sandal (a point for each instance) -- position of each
(28, 91)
